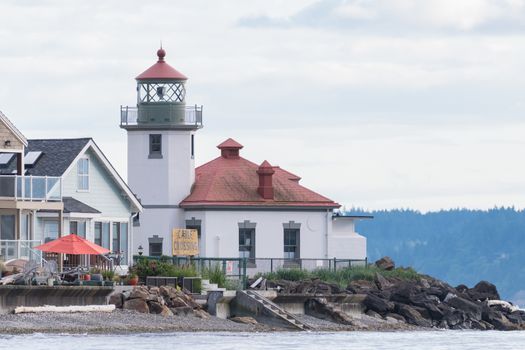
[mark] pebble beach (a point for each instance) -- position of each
(125, 321)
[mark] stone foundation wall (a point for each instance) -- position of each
(13, 296)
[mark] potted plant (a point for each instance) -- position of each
(117, 280)
(108, 275)
(96, 274)
(133, 279)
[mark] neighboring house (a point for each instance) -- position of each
(53, 187)
(239, 208)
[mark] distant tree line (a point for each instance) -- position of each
(458, 246)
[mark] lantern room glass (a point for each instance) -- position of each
(161, 92)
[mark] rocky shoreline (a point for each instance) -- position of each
(389, 304)
(424, 302)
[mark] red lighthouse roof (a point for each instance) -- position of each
(161, 70)
(231, 181)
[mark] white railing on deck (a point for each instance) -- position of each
(20, 249)
(31, 188)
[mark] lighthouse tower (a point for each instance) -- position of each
(161, 167)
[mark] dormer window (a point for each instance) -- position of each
(83, 174)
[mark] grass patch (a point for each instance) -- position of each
(342, 276)
(215, 274)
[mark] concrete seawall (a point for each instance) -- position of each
(13, 296)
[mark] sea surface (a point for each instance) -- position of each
(433, 340)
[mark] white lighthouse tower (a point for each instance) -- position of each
(161, 166)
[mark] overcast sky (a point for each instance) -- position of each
(375, 104)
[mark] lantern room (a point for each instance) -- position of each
(161, 100)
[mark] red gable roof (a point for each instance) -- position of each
(161, 70)
(233, 182)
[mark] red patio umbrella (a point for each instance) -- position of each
(72, 244)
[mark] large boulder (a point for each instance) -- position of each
(361, 287)
(484, 290)
(177, 302)
(385, 263)
(138, 305)
(471, 309)
(498, 319)
(158, 308)
(404, 292)
(440, 289)
(381, 282)
(167, 292)
(412, 316)
(429, 304)
(283, 286)
(395, 316)
(139, 293)
(453, 319)
(375, 303)
(116, 299)
(316, 286)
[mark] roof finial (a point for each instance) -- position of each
(161, 53)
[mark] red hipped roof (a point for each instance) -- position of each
(233, 182)
(161, 70)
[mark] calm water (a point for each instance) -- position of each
(456, 340)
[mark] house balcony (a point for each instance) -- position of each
(30, 192)
(175, 116)
(20, 249)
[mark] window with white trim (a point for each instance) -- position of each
(83, 174)
(78, 227)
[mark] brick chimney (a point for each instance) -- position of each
(230, 149)
(265, 173)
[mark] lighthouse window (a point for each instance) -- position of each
(192, 146)
(155, 146)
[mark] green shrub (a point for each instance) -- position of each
(342, 276)
(215, 274)
(292, 274)
(233, 284)
(162, 267)
(108, 275)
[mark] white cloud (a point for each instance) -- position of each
(355, 10)
(403, 16)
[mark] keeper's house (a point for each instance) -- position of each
(239, 208)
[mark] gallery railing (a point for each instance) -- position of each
(129, 115)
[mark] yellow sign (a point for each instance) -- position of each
(185, 242)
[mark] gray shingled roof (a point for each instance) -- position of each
(57, 156)
(72, 205)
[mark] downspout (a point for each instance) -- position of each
(130, 238)
(328, 217)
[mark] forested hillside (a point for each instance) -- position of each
(459, 246)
